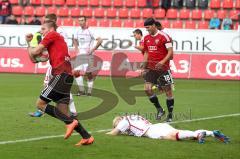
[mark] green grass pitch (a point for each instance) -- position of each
(193, 99)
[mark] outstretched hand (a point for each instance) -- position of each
(29, 37)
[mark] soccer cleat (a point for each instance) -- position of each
(201, 137)
(169, 118)
(220, 136)
(81, 93)
(160, 114)
(37, 113)
(70, 127)
(88, 141)
(89, 94)
(73, 115)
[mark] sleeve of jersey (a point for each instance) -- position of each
(168, 42)
(47, 40)
(144, 45)
(123, 125)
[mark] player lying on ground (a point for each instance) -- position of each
(136, 125)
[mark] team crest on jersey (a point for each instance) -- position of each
(156, 41)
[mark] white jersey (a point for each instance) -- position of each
(133, 125)
(85, 40)
(62, 32)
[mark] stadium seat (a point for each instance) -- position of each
(99, 12)
(59, 22)
(177, 24)
(203, 24)
(190, 24)
(68, 22)
(40, 11)
(184, 14)
(17, 10)
(159, 13)
(221, 14)
(123, 13)
(116, 23)
(82, 3)
(172, 14)
(47, 2)
(71, 2)
(135, 13)
(118, 3)
(155, 3)
(227, 4)
(141, 3)
(236, 26)
(14, 1)
(106, 3)
(35, 2)
(111, 13)
(190, 4)
(203, 4)
(52, 10)
(237, 4)
(75, 12)
(147, 13)
(87, 12)
(208, 14)
(215, 4)
(234, 14)
(131, 3)
(94, 3)
(139, 24)
(92, 22)
(165, 23)
(177, 4)
(63, 12)
(59, 2)
(29, 11)
(196, 14)
(128, 23)
(104, 23)
(19, 20)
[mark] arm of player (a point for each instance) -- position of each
(168, 57)
(75, 44)
(140, 48)
(114, 132)
(145, 58)
(99, 42)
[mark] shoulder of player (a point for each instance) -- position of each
(164, 35)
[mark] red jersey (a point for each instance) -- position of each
(141, 43)
(156, 46)
(58, 53)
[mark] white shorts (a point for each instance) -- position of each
(160, 130)
(83, 63)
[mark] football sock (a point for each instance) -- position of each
(184, 134)
(72, 107)
(54, 112)
(90, 86)
(80, 129)
(170, 104)
(208, 133)
(79, 81)
(156, 103)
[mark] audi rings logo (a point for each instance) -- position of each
(223, 68)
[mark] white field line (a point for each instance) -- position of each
(105, 130)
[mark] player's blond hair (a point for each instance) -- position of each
(115, 121)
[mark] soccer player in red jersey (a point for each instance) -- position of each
(58, 89)
(158, 51)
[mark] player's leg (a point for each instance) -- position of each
(187, 134)
(90, 81)
(72, 107)
(80, 84)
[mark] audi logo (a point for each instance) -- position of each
(223, 68)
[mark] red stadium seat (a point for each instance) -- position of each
(104, 23)
(35, 2)
(228, 4)
(147, 13)
(71, 2)
(215, 4)
(184, 14)
(130, 3)
(82, 3)
(63, 12)
(111, 13)
(47, 2)
(128, 23)
(75, 12)
(234, 14)
(172, 14)
(40, 11)
(208, 14)
(165, 24)
(139, 24)
(52, 10)
(14, 1)
(116, 23)
(177, 24)
(17, 10)
(236, 26)
(59, 22)
(68, 22)
(118, 3)
(59, 2)
(196, 14)
(155, 3)
(123, 13)
(221, 14)
(106, 3)
(87, 12)
(94, 3)
(92, 22)
(29, 11)
(237, 4)
(141, 3)
(190, 24)
(99, 12)
(159, 13)
(203, 25)
(135, 13)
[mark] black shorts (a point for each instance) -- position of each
(158, 78)
(58, 89)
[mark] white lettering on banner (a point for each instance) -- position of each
(223, 68)
(10, 62)
(184, 66)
